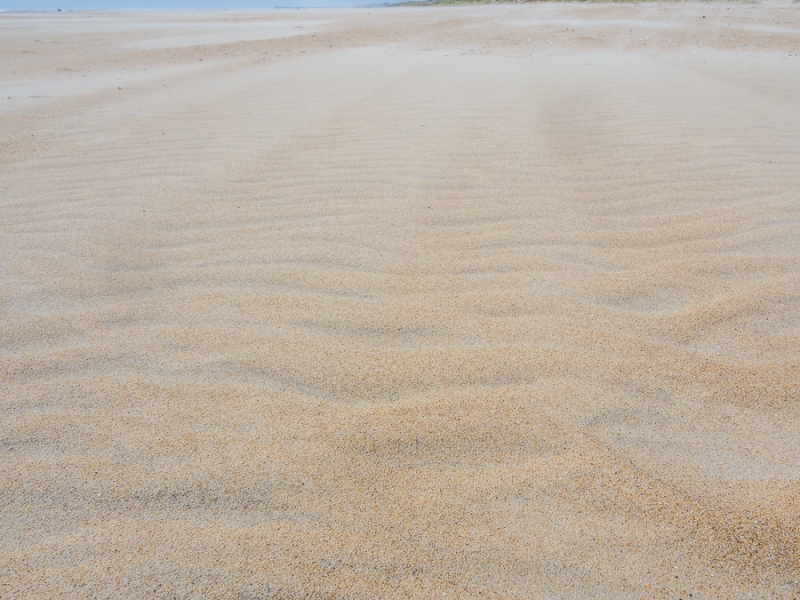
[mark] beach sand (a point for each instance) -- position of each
(495, 301)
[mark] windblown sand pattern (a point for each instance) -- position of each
(480, 302)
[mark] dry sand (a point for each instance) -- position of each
(466, 302)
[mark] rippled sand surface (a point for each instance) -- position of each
(465, 302)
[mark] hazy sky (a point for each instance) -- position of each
(171, 4)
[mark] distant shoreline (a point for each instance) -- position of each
(371, 6)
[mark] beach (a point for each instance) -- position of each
(486, 301)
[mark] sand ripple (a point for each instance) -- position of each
(447, 302)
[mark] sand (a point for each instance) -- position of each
(467, 302)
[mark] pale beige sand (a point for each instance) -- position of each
(482, 302)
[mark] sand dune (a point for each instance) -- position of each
(467, 302)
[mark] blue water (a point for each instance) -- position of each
(15, 5)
